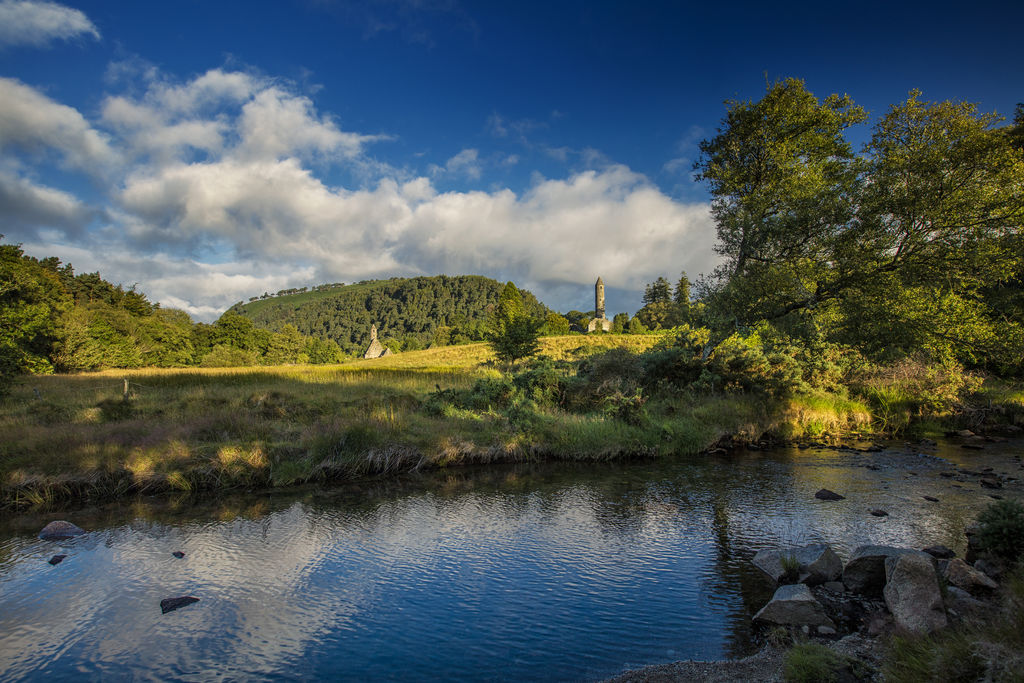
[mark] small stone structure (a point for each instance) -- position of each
(376, 349)
(599, 321)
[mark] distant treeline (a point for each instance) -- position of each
(410, 313)
(52, 319)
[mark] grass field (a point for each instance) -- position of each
(75, 437)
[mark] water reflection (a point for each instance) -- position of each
(556, 572)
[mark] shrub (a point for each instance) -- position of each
(1002, 530)
(812, 663)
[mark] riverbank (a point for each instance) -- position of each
(73, 438)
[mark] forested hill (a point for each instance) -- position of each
(410, 313)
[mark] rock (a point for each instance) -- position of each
(974, 548)
(171, 604)
(990, 483)
(963, 575)
(55, 531)
(834, 586)
(816, 563)
(825, 494)
(826, 631)
(965, 433)
(939, 551)
(947, 475)
(989, 569)
(178, 554)
(960, 603)
(865, 572)
(912, 592)
(793, 605)
(57, 559)
(972, 446)
(879, 513)
(931, 499)
(927, 443)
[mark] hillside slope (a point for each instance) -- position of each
(409, 312)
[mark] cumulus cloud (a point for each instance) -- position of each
(40, 23)
(26, 208)
(31, 121)
(224, 191)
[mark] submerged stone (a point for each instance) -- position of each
(171, 604)
(54, 531)
(178, 554)
(825, 494)
(56, 559)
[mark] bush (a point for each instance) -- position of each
(1002, 530)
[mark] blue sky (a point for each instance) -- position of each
(213, 151)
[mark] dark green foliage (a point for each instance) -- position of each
(1002, 530)
(409, 313)
(513, 332)
(32, 299)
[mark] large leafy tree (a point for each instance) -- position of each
(897, 248)
(513, 332)
(783, 180)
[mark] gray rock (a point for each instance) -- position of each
(825, 494)
(940, 552)
(817, 563)
(826, 631)
(877, 512)
(55, 531)
(960, 603)
(931, 499)
(912, 592)
(989, 568)
(834, 586)
(794, 605)
(990, 483)
(865, 572)
(960, 574)
(56, 559)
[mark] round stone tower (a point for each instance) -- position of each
(599, 299)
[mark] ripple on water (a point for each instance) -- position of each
(570, 573)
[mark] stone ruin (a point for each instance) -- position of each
(376, 349)
(599, 322)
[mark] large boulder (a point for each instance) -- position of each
(962, 575)
(912, 592)
(794, 605)
(814, 564)
(865, 572)
(55, 531)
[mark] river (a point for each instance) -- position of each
(529, 572)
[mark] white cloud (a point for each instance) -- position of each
(26, 208)
(466, 163)
(39, 23)
(32, 121)
(222, 192)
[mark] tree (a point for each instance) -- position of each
(556, 325)
(513, 334)
(819, 241)
(32, 300)
(619, 323)
(658, 292)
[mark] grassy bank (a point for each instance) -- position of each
(73, 437)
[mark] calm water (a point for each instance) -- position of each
(548, 572)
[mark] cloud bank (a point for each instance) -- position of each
(227, 185)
